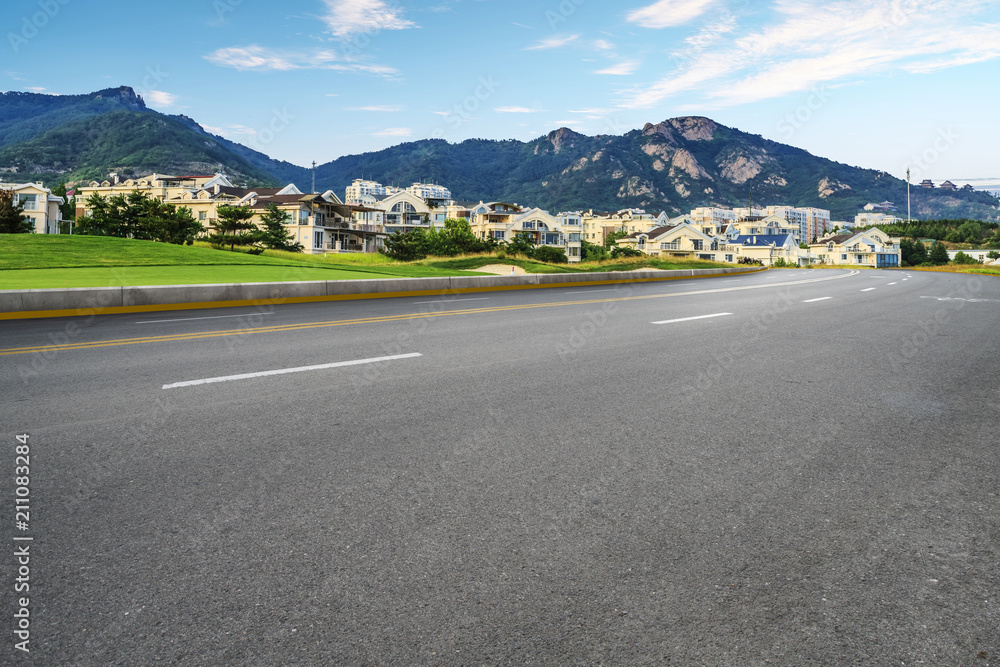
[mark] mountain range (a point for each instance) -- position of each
(673, 166)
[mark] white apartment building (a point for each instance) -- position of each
(40, 205)
(868, 219)
(365, 193)
(718, 218)
(430, 191)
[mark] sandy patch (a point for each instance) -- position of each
(502, 270)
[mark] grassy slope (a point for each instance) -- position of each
(32, 261)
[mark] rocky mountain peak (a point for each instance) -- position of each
(125, 95)
(695, 128)
(563, 137)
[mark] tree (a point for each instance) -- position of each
(68, 207)
(611, 238)
(405, 246)
(275, 234)
(962, 258)
(234, 227)
(11, 219)
(550, 254)
(918, 253)
(938, 254)
(993, 254)
(521, 244)
(591, 252)
(138, 216)
(624, 251)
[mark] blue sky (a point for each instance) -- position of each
(885, 84)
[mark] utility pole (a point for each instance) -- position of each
(314, 177)
(907, 195)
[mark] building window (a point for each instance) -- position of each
(202, 215)
(697, 244)
(498, 235)
(729, 258)
(843, 258)
(573, 252)
(574, 238)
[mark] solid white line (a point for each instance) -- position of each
(822, 298)
(479, 298)
(892, 283)
(869, 289)
(592, 291)
(282, 371)
(213, 317)
(688, 319)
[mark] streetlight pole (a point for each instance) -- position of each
(907, 195)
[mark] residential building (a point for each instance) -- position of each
(494, 220)
(40, 206)
(870, 219)
(871, 247)
(716, 218)
(883, 206)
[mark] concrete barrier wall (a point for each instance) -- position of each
(62, 302)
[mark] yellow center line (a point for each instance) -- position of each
(167, 338)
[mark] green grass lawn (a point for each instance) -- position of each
(39, 261)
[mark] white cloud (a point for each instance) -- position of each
(515, 110)
(36, 89)
(160, 98)
(375, 108)
(668, 13)
(255, 58)
(621, 69)
(347, 17)
(817, 44)
(553, 42)
(393, 132)
(603, 45)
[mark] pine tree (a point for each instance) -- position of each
(274, 234)
(11, 219)
(939, 253)
(234, 227)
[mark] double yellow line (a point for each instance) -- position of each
(387, 318)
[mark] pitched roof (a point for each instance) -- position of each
(760, 240)
(653, 233)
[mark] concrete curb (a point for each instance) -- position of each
(86, 301)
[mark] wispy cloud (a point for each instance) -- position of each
(348, 17)
(603, 45)
(515, 110)
(393, 132)
(36, 89)
(375, 108)
(816, 43)
(256, 58)
(160, 98)
(668, 13)
(553, 42)
(621, 69)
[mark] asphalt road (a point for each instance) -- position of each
(807, 474)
